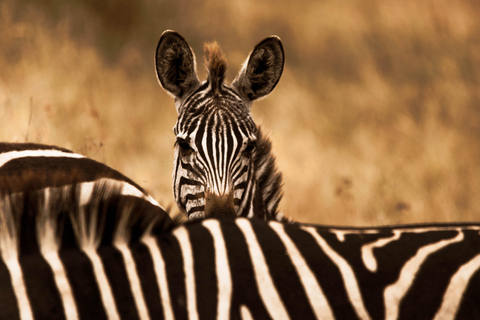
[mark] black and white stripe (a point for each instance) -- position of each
(219, 149)
(65, 260)
(30, 166)
(120, 261)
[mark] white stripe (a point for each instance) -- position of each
(161, 276)
(348, 276)
(9, 253)
(8, 156)
(456, 289)
(315, 295)
(265, 285)
(223, 157)
(395, 292)
(133, 280)
(224, 278)
(19, 288)
(367, 250)
(188, 263)
(120, 242)
(102, 281)
(86, 190)
(245, 313)
(340, 233)
(62, 284)
(49, 243)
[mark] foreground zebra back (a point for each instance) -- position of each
(62, 259)
(280, 271)
(31, 166)
(117, 260)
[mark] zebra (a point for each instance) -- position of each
(28, 167)
(221, 155)
(113, 260)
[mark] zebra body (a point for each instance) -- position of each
(30, 166)
(281, 271)
(118, 260)
(220, 153)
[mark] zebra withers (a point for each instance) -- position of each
(220, 153)
(114, 260)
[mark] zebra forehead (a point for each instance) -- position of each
(216, 117)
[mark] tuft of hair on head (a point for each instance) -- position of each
(216, 65)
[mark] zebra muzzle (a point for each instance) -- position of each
(219, 205)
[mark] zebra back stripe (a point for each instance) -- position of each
(118, 262)
(28, 167)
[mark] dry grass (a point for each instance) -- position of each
(375, 121)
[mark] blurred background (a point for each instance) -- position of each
(376, 119)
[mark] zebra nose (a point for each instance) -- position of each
(219, 205)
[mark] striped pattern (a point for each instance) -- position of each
(115, 261)
(66, 261)
(220, 151)
(220, 130)
(29, 166)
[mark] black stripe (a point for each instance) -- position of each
(41, 289)
(8, 302)
(84, 286)
(284, 275)
(239, 171)
(468, 308)
(114, 266)
(42, 172)
(196, 196)
(218, 141)
(147, 276)
(241, 185)
(245, 290)
(329, 277)
(229, 145)
(171, 254)
(209, 152)
(190, 168)
(191, 182)
(204, 265)
(196, 209)
(8, 147)
(435, 274)
(199, 137)
(39, 281)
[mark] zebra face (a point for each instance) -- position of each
(214, 155)
(216, 138)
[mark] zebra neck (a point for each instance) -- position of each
(268, 180)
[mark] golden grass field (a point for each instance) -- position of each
(375, 121)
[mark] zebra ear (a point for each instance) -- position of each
(262, 70)
(175, 64)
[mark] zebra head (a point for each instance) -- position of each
(223, 164)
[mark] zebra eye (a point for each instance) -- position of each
(249, 149)
(184, 146)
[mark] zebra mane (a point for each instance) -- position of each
(49, 219)
(268, 178)
(216, 65)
